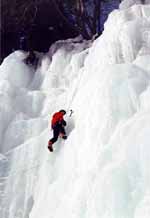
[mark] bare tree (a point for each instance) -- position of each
(16, 14)
(84, 15)
(20, 16)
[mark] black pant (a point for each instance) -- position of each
(57, 130)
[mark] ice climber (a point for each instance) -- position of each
(58, 126)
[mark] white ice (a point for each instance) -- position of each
(102, 169)
(128, 3)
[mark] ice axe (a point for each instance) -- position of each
(71, 112)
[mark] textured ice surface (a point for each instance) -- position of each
(102, 169)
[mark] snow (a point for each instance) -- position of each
(102, 169)
(128, 3)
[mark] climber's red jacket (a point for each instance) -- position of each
(57, 118)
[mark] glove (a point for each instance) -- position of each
(64, 123)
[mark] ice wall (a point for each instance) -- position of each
(128, 3)
(102, 170)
